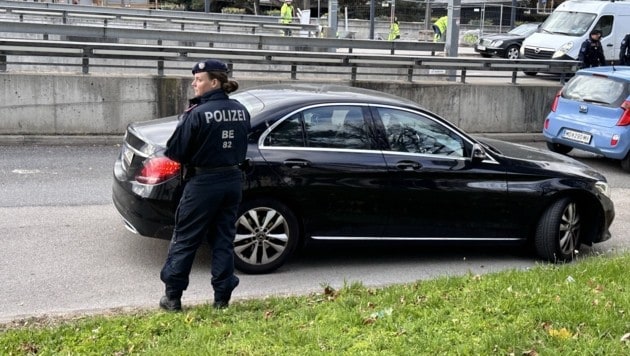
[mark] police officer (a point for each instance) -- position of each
(210, 141)
(624, 53)
(591, 52)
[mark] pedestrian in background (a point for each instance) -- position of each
(286, 15)
(439, 29)
(624, 52)
(394, 30)
(591, 52)
(210, 141)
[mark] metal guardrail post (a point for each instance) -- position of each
(353, 76)
(64, 17)
(85, 63)
(514, 77)
(3, 63)
(463, 76)
(160, 66)
(293, 71)
(410, 75)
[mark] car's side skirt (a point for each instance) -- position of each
(401, 238)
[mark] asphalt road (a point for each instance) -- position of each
(65, 250)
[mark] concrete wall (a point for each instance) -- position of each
(54, 104)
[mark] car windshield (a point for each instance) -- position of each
(595, 89)
(568, 23)
(524, 30)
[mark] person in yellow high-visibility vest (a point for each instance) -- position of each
(394, 30)
(439, 27)
(286, 15)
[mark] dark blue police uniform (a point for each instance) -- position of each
(591, 53)
(210, 141)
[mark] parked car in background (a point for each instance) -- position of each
(337, 163)
(506, 45)
(592, 113)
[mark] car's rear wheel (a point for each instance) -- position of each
(625, 163)
(558, 233)
(559, 148)
(267, 233)
(512, 52)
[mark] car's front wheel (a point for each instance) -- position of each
(267, 233)
(512, 52)
(559, 148)
(558, 233)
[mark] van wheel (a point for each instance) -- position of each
(559, 148)
(625, 163)
(531, 74)
(559, 230)
(267, 233)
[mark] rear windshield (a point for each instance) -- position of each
(595, 89)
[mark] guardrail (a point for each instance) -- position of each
(216, 39)
(298, 64)
(67, 13)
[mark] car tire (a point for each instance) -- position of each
(558, 233)
(267, 233)
(625, 163)
(531, 74)
(559, 148)
(512, 52)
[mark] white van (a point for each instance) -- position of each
(570, 24)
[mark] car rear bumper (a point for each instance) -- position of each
(146, 217)
(600, 142)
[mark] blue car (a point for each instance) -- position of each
(592, 113)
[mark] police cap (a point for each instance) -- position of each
(596, 32)
(210, 65)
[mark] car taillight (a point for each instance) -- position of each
(157, 170)
(624, 120)
(554, 105)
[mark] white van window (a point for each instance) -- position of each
(568, 23)
(605, 24)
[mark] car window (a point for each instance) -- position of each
(411, 132)
(325, 127)
(596, 89)
(289, 133)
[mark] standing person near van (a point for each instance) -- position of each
(439, 28)
(591, 52)
(624, 53)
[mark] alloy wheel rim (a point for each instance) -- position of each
(569, 229)
(262, 235)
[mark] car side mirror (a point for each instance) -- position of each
(478, 154)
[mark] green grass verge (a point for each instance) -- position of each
(580, 308)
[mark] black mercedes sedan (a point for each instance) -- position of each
(346, 164)
(505, 45)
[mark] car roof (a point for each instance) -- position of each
(619, 72)
(273, 97)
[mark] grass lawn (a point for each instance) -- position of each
(580, 308)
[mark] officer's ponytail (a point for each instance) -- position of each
(227, 85)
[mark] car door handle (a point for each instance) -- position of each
(296, 163)
(408, 165)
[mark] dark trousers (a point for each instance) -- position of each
(207, 210)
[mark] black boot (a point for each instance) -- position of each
(170, 304)
(223, 301)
